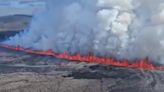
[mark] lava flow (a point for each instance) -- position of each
(138, 64)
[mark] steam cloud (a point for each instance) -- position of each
(121, 28)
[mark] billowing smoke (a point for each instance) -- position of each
(120, 28)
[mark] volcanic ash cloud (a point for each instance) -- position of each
(120, 28)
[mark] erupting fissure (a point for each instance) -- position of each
(138, 64)
(124, 29)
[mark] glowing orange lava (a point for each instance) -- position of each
(139, 64)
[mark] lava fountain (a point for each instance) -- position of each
(96, 30)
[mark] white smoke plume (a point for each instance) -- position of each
(130, 29)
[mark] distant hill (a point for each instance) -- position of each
(14, 22)
(10, 25)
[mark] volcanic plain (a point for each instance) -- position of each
(23, 72)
